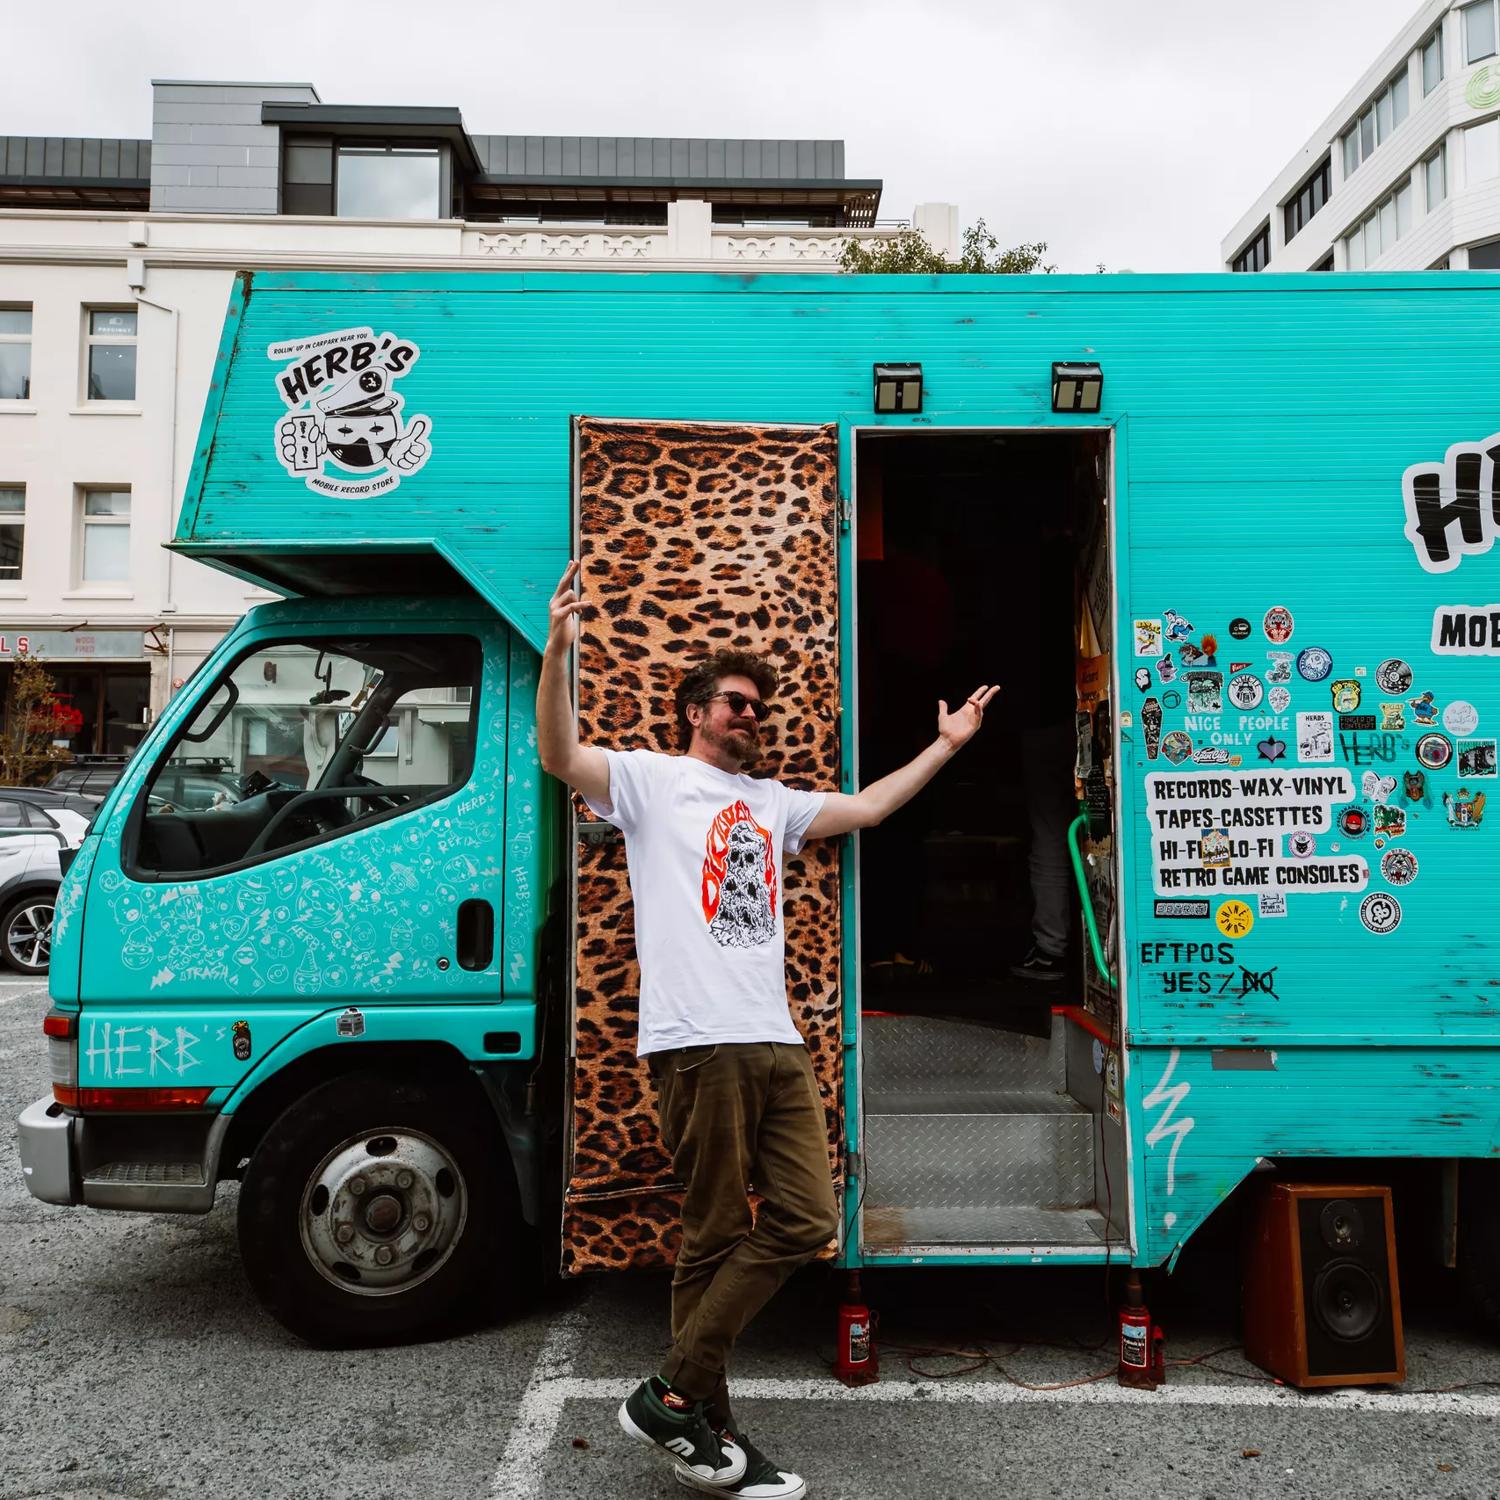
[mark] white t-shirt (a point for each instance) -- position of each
(704, 851)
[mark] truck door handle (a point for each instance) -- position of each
(476, 934)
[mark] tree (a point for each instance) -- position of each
(909, 254)
(34, 717)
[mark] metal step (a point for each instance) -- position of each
(1029, 1159)
(936, 1229)
(148, 1173)
(996, 1101)
(926, 1054)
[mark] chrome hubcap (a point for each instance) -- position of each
(29, 936)
(383, 1211)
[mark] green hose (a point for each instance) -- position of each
(1081, 821)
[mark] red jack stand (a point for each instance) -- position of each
(857, 1361)
(1142, 1344)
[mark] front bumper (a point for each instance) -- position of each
(46, 1140)
(143, 1163)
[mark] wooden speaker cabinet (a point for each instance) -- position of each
(1322, 1303)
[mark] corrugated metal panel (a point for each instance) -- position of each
(627, 157)
(52, 156)
(91, 157)
(72, 157)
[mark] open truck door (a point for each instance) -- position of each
(693, 537)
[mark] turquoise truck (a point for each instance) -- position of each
(378, 968)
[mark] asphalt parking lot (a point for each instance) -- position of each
(134, 1362)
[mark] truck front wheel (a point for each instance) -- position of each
(369, 1212)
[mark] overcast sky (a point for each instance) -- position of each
(1133, 132)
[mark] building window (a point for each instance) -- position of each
(105, 555)
(1384, 115)
(1481, 152)
(1485, 257)
(1379, 231)
(15, 353)
(1435, 168)
(361, 179)
(307, 176)
(1479, 30)
(386, 182)
(12, 531)
(1432, 61)
(1306, 201)
(111, 354)
(1255, 254)
(1326, 264)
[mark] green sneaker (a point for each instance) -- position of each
(762, 1479)
(683, 1435)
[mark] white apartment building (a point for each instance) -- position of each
(1405, 173)
(116, 261)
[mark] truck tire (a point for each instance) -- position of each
(1479, 1238)
(26, 932)
(370, 1211)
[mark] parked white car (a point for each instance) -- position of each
(32, 840)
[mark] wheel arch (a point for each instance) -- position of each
(273, 1095)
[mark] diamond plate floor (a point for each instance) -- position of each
(999, 1101)
(980, 1161)
(923, 1052)
(933, 1229)
(969, 1139)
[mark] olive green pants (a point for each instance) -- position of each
(735, 1115)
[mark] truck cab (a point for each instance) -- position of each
(318, 970)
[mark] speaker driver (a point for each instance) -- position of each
(1347, 1300)
(1342, 1224)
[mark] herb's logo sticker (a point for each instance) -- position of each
(345, 431)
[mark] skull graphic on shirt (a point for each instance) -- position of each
(739, 880)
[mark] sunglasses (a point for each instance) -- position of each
(738, 703)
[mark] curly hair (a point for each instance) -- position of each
(701, 681)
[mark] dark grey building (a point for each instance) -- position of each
(268, 148)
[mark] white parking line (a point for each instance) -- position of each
(520, 1474)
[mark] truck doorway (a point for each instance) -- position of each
(983, 557)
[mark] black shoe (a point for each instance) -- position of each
(762, 1479)
(1039, 965)
(684, 1435)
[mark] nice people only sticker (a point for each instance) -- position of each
(345, 431)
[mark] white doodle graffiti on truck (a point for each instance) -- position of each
(1173, 1097)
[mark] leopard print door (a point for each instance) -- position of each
(693, 537)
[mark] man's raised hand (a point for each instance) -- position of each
(563, 611)
(958, 727)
